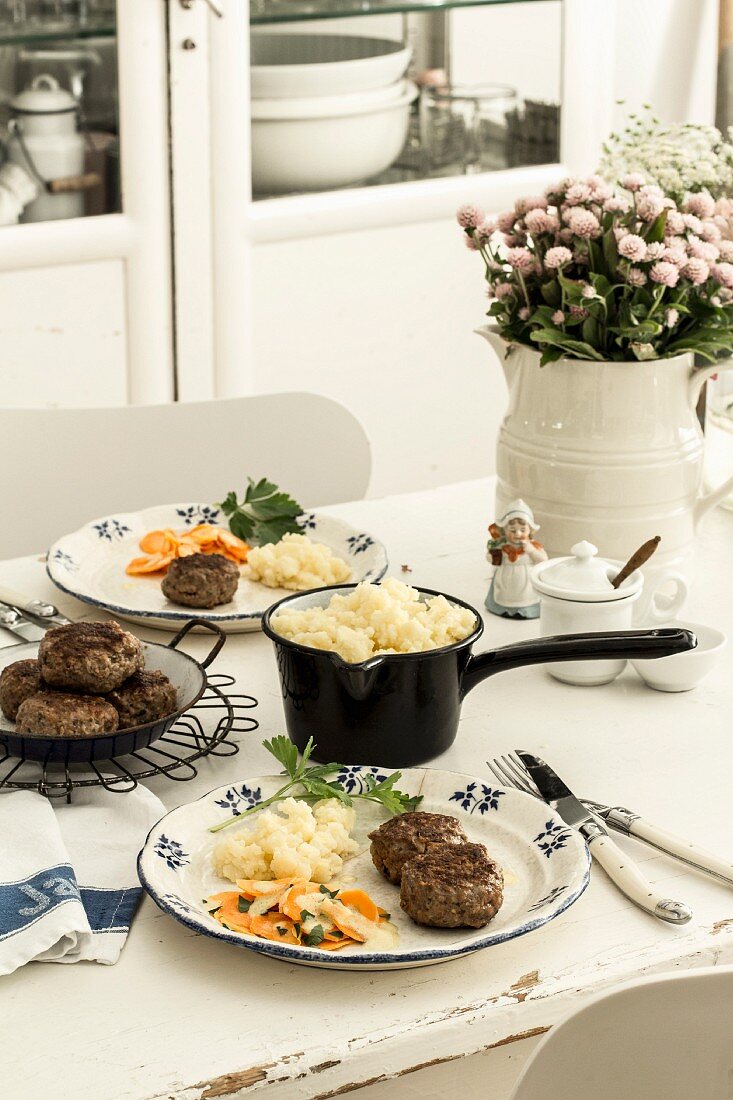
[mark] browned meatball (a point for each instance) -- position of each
(408, 835)
(201, 580)
(452, 886)
(89, 657)
(145, 697)
(57, 714)
(17, 682)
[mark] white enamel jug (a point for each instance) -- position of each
(611, 451)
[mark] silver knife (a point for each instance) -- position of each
(38, 610)
(631, 824)
(618, 866)
(12, 620)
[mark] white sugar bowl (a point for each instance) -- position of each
(577, 597)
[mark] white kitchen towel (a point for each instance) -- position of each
(68, 874)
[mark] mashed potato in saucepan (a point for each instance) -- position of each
(371, 619)
(293, 842)
(296, 563)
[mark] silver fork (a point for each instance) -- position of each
(510, 771)
(620, 868)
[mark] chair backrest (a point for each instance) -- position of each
(60, 468)
(669, 1036)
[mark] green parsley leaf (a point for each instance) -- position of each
(264, 515)
(281, 931)
(243, 904)
(212, 911)
(305, 915)
(283, 749)
(336, 934)
(315, 936)
(331, 893)
(296, 928)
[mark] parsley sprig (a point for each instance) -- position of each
(313, 783)
(264, 515)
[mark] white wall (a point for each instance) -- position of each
(383, 322)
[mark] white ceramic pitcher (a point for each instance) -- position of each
(614, 449)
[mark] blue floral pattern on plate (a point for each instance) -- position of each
(478, 797)
(553, 837)
(171, 851)
(65, 560)
(353, 778)
(110, 529)
(241, 798)
(359, 543)
(199, 513)
(307, 521)
(553, 895)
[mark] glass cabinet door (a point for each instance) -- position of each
(59, 131)
(410, 91)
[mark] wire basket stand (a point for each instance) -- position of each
(202, 731)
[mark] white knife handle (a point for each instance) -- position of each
(681, 849)
(631, 882)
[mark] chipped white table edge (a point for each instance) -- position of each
(183, 1018)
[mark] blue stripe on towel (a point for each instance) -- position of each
(110, 910)
(24, 902)
(28, 900)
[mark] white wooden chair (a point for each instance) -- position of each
(669, 1036)
(62, 467)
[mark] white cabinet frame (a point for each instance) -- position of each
(217, 223)
(140, 235)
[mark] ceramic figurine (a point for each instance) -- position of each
(513, 552)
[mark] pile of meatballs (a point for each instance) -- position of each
(89, 678)
(445, 880)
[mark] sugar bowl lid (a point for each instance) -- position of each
(583, 576)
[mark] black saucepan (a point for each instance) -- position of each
(403, 709)
(186, 675)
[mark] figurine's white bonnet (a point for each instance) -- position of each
(519, 510)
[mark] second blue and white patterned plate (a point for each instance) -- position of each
(546, 865)
(90, 564)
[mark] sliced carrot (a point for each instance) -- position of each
(158, 542)
(153, 564)
(229, 914)
(360, 900)
(273, 926)
(255, 888)
(328, 944)
(203, 532)
(293, 903)
(349, 921)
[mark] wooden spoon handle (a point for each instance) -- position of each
(636, 560)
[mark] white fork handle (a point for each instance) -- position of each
(682, 849)
(631, 882)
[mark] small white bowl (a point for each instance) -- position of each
(293, 65)
(684, 671)
(330, 148)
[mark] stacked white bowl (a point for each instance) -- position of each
(328, 110)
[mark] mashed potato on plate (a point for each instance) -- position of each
(297, 563)
(293, 842)
(385, 618)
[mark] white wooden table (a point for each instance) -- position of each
(183, 1017)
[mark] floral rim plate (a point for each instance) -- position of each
(90, 564)
(546, 866)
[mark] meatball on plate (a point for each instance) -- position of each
(482, 865)
(91, 565)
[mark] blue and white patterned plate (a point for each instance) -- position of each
(90, 564)
(546, 865)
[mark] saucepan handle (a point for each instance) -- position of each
(604, 646)
(206, 625)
